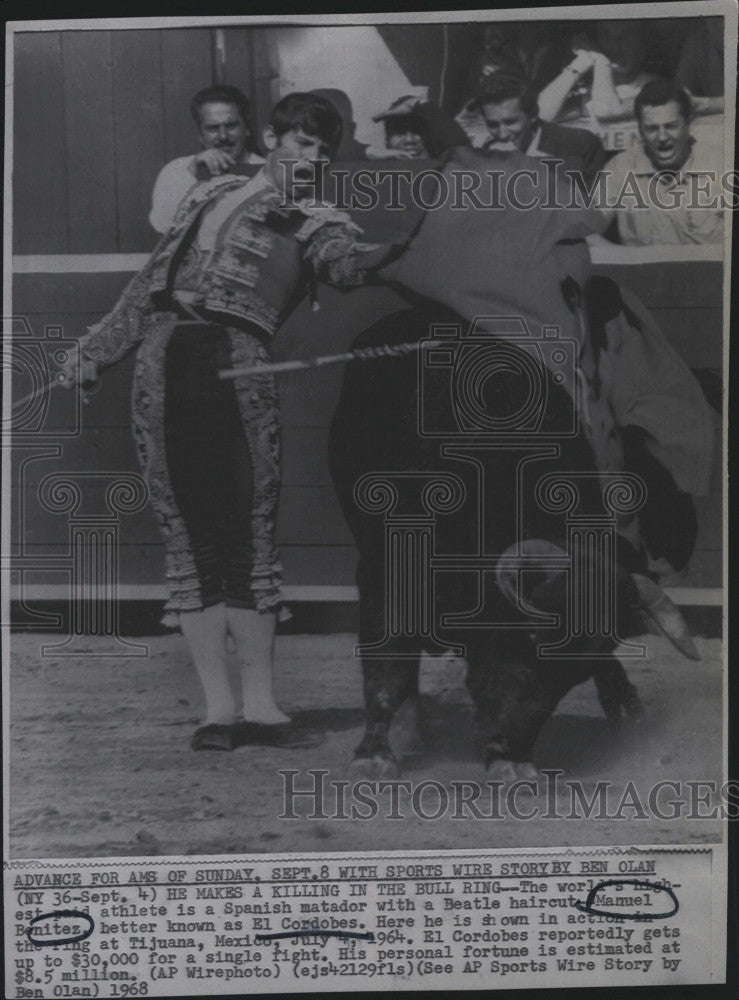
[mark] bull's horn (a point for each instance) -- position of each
(513, 560)
(665, 614)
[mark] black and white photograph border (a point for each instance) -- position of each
(388, 531)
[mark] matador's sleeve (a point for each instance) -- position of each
(334, 247)
(118, 332)
(127, 323)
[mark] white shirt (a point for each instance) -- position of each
(174, 181)
(671, 211)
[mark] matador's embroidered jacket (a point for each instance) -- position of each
(265, 252)
(253, 277)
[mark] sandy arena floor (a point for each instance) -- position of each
(100, 763)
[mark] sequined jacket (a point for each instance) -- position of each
(265, 257)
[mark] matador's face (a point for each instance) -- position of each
(295, 161)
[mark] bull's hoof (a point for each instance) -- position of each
(629, 715)
(410, 732)
(510, 771)
(634, 709)
(378, 767)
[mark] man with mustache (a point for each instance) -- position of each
(661, 191)
(221, 114)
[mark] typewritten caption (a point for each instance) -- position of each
(156, 928)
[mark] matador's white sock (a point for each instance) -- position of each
(254, 636)
(205, 632)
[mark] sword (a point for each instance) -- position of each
(358, 354)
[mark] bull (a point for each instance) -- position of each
(502, 616)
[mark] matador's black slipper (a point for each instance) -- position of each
(213, 737)
(286, 735)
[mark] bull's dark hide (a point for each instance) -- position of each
(375, 430)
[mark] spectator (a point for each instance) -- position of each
(530, 51)
(349, 149)
(701, 67)
(221, 114)
(616, 62)
(502, 53)
(509, 109)
(415, 130)
(657, 190)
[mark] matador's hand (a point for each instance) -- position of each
(77, 370)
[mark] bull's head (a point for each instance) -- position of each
(642, 605)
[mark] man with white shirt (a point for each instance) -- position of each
(666, 190)
(221, 114)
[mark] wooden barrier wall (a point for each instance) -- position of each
(97, 115)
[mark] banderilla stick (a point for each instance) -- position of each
(37, 393)
(359, 354)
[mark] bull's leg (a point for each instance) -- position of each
(388, 681)
(618, 697)
(616, 694)
(411, 725)
(387, 684)
(514, 697)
